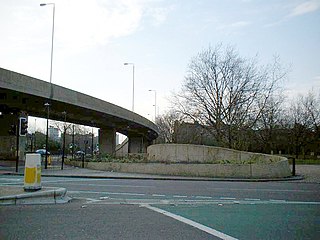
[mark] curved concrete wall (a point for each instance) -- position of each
(210, 161)
(201, 161)
(243, 171)
(188, 153)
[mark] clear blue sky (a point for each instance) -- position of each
(93, 38)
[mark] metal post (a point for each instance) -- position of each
(82, 160)
(52, 35)
(155, 104)
(132, 84)
(92, 142)
(17, 157)
(132, 87)
(46, 159)
(293, 166)
(72, 142)
(64, 145)
(64, 138)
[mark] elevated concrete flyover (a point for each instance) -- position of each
(24, 95)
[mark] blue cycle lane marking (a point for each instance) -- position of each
(267, 220)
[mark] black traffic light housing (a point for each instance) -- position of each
(23, 126)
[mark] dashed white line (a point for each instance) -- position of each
(75, 180)
(158, 195)
(110, 193)
(227, 198)
(203, 197)
(108, 185)
(204, 228)
(179, 196)
(277, 200)
(252, 199)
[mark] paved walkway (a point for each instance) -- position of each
(305, 173)
(310, 173)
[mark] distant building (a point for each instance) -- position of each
(193, 133)
(53, 133)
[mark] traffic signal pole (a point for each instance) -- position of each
(18, 136)
(21, 129)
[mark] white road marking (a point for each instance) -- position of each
(89, 200)
(201, 227)
(203, 197)
(158, 195)
(277, 200)
(262, 190)
(75, 180)
(108, 185)
(110, 193)
(11, 179)
(252, 199)
(227, 198)
(180, 196)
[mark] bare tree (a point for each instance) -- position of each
(304, 121)
(311, 104)
(166, 123)
(271, 122)
(227, 92)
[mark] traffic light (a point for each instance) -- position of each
(23, 126)
(12, 130)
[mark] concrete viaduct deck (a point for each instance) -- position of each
(21, 95)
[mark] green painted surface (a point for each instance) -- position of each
(255, 221)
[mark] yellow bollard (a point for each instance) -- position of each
(32, 172)
(49, 160)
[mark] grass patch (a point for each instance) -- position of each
(112, 159)
(306, 161)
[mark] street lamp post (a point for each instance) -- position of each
(51, 90)
(155, 103)
(42, 5)
(64, 138)
(47, 105)
(132, 84)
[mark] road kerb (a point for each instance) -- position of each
(51, 196)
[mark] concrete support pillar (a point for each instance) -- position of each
(137, 144)
(8, 141)
(107, 141)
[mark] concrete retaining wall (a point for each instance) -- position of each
(200, 161)
(122, 149)
(271, 170)
(187, 153)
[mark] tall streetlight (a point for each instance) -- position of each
(155, 103)
(42, 5)
(51, 90)
(132, 84)
(64, 113)
(47, 105)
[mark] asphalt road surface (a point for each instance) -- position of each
(151, 209)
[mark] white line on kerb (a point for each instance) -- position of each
(191, 223)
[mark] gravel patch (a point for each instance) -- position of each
(311, 173)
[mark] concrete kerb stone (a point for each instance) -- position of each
(50, 196)
(173, 178)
